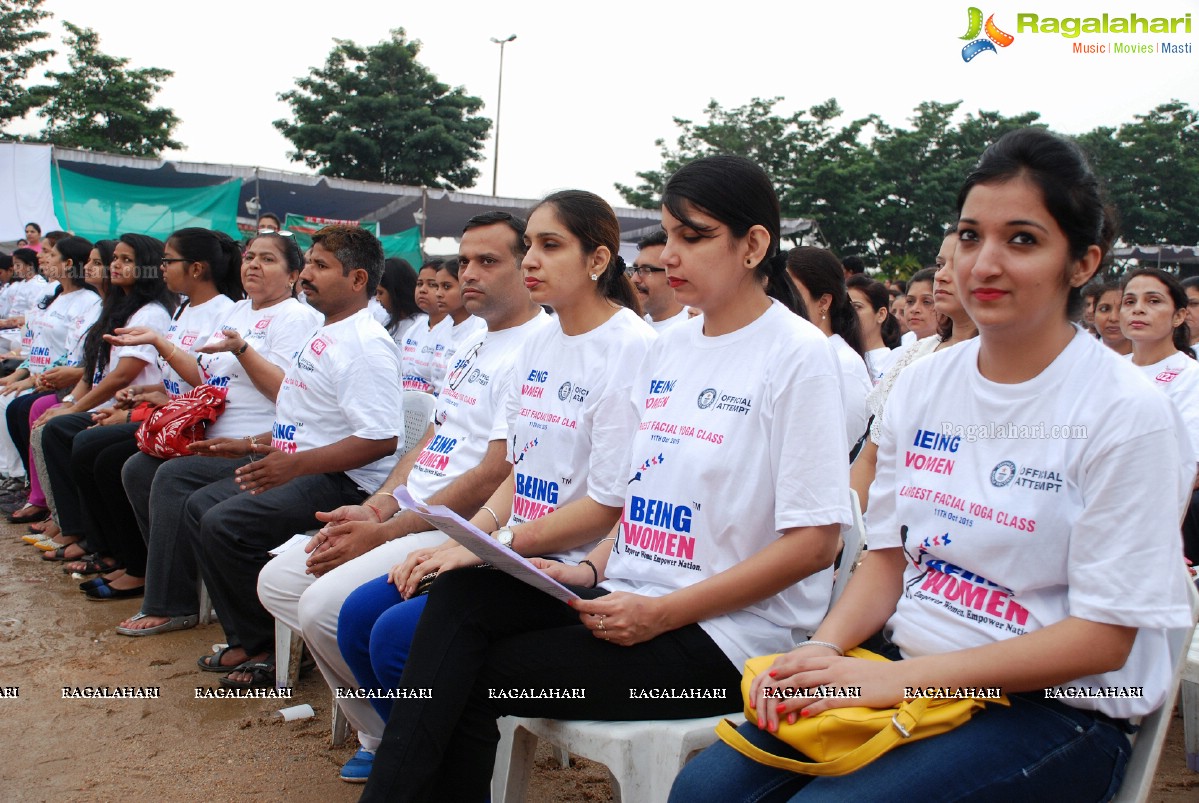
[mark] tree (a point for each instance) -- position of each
(17, 17)
(377, 114)
(100, 105)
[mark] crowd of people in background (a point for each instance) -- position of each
(675, 440)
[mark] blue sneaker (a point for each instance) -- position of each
(358, 768)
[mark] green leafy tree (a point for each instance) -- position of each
(1151, 167)
(377, 114)
(101, 105)
(17, 58)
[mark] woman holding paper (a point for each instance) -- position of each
(736, 487)
(569, 425)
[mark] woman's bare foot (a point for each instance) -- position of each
(246, 677)
(144, 622)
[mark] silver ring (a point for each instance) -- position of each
(601, 624)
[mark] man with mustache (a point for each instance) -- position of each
(662, 309)
(337, 417)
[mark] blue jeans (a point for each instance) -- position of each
(374, 633)
(1034, 750)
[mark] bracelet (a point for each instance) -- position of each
(839, 651)
(167, 358)
(492, 512)
(378, 513)
(242, 350)
(594, 572)
(129, 417)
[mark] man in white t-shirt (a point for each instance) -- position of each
(337, 417)
(662, 309)
(460, 463)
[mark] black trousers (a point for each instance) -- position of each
(485, 637)
(232, 532)
(97, 456)
(17, 418)
(1190, 529)
(58, 437)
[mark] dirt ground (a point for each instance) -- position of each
(186, 749)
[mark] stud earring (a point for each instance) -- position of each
(595, 277)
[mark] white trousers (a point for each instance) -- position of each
(310, 606)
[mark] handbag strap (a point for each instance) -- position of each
(902, 724)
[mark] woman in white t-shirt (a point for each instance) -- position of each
(205, 266)
(463, 327)
(396, 293)
(1153, 316)
(736, 490)
(1009, 458)
(247, 355)
(820, 280)
(569, 426)
(427, 335)
(65, 315)
(880, 331)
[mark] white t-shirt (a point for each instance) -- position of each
(457, 334)
(471, 409)
(190, 329)
(570, 420)
(1019, 505)
(77, 335)
(855, 384)
(420, 346)
(878, 361)
(402, 326)
(1178, 377)
(57, 323)
(876, 399)
(908, 338)
(378, 311)
(345, 381)
(6, 297)
(742, 436)
(29, 293)
(276, 333)
(152, 316)
(666, 323)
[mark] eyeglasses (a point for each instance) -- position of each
(166, 260)
(644, 270)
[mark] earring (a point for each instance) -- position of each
(595, 277)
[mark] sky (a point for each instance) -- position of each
(589, 87)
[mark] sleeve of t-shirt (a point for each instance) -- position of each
(614, 423)
(288, 333)
(509, 400)
(882, 527)
(808, 458)
(152, 316)
(1123, 566)
(369, 392)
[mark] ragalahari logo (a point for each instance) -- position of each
(993, 37)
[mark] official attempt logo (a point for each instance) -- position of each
(706, 398)
(1003, 473)
(977, 44)
(564, 391)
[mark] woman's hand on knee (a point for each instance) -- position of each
(622, 618)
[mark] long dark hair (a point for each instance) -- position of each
(118, 307)
(78, 251)
(1182, 333)
(399, 280)
(821, 274)
(880, 298)
(1069, 189)
(738, 193)
(218, 252)
(591, 219)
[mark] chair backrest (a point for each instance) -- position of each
(853, 541)
(418, 414)
(1147, 745)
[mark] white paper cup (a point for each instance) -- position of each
(295, 712)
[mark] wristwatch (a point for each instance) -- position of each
(68, 399)
(504, 536)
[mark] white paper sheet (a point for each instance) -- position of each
(483, 545)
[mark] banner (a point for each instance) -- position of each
(99, 209)
(405, 244)
(25, 195)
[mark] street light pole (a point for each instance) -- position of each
(499, 95)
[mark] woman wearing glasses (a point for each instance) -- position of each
(84, 464)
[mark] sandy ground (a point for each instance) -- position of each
(181, 748)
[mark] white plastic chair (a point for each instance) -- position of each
(642, 758)
(1147, 742)
(418, 414)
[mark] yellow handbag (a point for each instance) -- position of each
(840, 740)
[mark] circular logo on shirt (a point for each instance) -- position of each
(706, 397)
(564, 391)
(1003, 473)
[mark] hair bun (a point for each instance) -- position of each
(619, 262)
